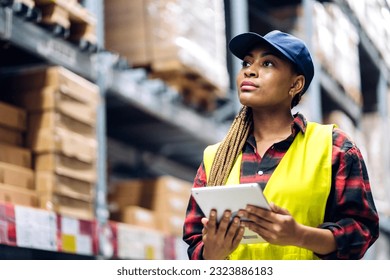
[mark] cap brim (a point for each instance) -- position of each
(242, 44)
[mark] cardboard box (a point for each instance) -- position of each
(10, 136)
(13, 117)
(169, 203)
(16, 176)
(66, 166)
(38, 78)
(124, 193)
(15, 155)
(168, 185)
(54, 98)
(138, 216)
(67, 206)
(120, 30)
(165, 193)
(48, 182)
(18, 195)
(52, 119)
(62, 141)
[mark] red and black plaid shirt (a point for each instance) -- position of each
(350, 213)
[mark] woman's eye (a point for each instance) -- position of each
(245, 64)
(268, 63)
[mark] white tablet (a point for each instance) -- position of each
(233, 198)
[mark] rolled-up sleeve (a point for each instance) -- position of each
(351, 214)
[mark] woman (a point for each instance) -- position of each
(313, 175)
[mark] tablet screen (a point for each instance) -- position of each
(233, 198)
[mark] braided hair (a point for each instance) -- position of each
(231, 147)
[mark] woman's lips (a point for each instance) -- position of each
(246, 85)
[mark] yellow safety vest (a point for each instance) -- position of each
(301, 183)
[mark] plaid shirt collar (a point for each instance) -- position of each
(298, 124)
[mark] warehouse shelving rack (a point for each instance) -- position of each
(135, 106)
(141, 124)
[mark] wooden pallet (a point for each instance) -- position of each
(195, 89)
(23, 8)
(70, 20)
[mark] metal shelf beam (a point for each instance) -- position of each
(38, 41)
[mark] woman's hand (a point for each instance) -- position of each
(221, 239)
(276, 226)
(280, 228)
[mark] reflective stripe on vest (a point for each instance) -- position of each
(301, 183)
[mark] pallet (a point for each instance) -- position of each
(23, 8)
(70, 20)
(195, 90)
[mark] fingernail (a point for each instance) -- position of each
(249, 209)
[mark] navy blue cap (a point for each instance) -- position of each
(289, 46)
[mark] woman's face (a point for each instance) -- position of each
(265, 80)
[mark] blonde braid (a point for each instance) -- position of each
(230, 147)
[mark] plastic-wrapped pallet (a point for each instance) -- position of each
(334, 38)
(346, 52)
(182, 42)
(374, 18)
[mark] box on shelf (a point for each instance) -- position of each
(62, 141)
(67, 206)
(58, 99)
(12, 117)
(14, 175)
(60, 79)
(15, 155)
(66, 166)
(48, 182)
(166, 197)
(11, 136)
(18, 195)
(138, 216)
(124, 193)
(165, 193)
(49, 120)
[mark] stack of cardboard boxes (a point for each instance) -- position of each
(61, 135)
(16, 174)
(156, 204)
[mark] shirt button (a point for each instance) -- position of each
(260, 172)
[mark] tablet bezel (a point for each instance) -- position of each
(229, 197)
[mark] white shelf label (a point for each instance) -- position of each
(36, 228)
